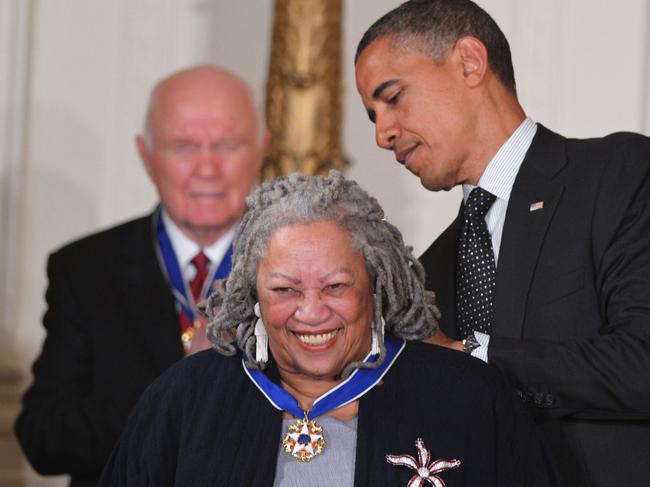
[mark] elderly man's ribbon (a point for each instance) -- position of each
(172, 270)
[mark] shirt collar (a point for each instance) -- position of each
(185, 248)
(500, 173)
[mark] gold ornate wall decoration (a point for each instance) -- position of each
(303, 92)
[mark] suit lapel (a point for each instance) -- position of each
(151, 304)
(439, 262)
(524, 230)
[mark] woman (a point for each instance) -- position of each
(320, 377)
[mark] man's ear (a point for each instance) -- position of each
(474, 58)
(144, 154)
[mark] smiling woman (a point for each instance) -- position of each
(321, 378)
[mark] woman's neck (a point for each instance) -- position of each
(307, 390)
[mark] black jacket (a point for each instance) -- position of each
(111, 329)
(204, 423)
(572, 307)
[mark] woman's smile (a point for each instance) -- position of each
(317, 340)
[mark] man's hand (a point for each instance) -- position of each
(443, 340)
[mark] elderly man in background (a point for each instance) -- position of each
(545, 274)
(122, 302)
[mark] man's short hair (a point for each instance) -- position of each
(433, 27)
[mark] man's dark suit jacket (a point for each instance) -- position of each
(572, 306)
(112, 328)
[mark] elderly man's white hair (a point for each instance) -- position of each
(207, 74)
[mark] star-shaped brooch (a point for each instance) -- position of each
(423, 473)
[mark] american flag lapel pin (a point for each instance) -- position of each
(538, 205)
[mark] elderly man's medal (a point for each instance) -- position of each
(185, 304)
(305, 438)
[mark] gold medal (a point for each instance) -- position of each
(186, 339)
(187, 335)
(304, 439)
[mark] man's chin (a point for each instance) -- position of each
(435, 184)
(208, 231)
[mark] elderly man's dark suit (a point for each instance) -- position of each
(572, 306)
(111, 328)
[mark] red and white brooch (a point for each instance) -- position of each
(424, 472)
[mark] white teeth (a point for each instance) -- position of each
(321, 339)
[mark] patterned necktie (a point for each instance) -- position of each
(475, 268)
(200, 263)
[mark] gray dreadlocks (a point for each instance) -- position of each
(396, 276)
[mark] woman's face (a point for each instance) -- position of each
(316, 300)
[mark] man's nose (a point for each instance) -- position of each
(386, 132)
(312, 310)
(208, 161)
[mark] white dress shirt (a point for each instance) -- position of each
(186, 249)
(498, 178)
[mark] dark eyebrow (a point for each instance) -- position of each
(295, 280)
(382, 86)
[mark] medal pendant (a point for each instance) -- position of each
(304, 439)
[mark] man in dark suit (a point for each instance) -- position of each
(122, 302)
(545, 274)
